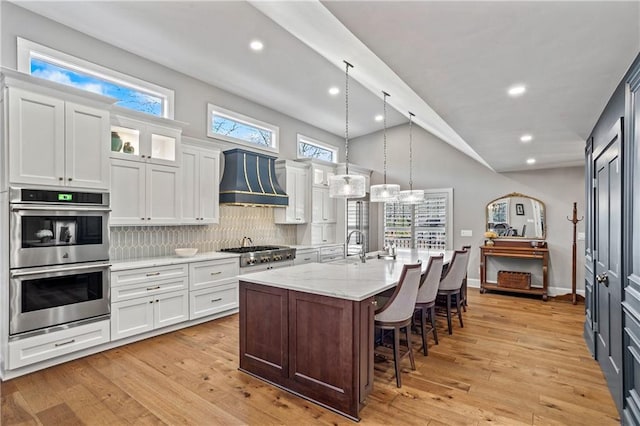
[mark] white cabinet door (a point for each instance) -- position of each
(190, 183)
(36, 138)
(128, 204)
(300, 184)
(163, 145)
(163, 194)
(200, 185)
(323, 208)
(131, 317)
(328, 207)
(323, 233)
(170, 308)
(209, 188)
(294, 181)
(86, 146)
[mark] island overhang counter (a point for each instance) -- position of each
(308, 329)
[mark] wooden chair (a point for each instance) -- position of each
(451, 284)
(426, 300)
(397, 313)
(464, 283)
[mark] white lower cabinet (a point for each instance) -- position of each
(331, 253)
(209, 301)
(46, 346)
(214, 287)
(143, 314)
(306, 256)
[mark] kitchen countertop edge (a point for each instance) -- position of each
(149, 262)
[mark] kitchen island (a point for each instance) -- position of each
(308, 329)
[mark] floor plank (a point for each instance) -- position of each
(516, 361)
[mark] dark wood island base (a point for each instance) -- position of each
(314, 346)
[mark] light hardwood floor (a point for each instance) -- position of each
(516, 361)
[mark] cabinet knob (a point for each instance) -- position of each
(142, 218)
(70, 179)
(148, 218)
(142, 156)
(60, 178)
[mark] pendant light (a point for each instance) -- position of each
(346, 185)
(384, 193)
(412, 196)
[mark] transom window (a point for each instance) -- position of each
(131, 93)
(312, 148)
(241, 129)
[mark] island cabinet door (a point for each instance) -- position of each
(322, 361)
(264, 341)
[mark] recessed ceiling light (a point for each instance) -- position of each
(531, 161)
(256, 45)
(517, 90)
(334, 91)
(526, 138)
(379, 117)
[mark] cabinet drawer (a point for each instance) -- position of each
(331, 258)
(133, 291)
(210, 301)
(306, 256)
(145, 275)
(331, 251)
(211, 273)
(47, 346)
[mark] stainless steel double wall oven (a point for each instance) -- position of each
(59, 259)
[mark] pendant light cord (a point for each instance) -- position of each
(384, 118)
(411, 115)
(346, 109)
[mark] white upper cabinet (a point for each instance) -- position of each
(200, 185)
(139, 140)
(323, 206)
(146, 176)
(321, 174)
(293, 177)
(144, 194)
(56, 142)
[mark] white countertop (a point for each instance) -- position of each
(149, 262)
(315, 246)
(346, 278)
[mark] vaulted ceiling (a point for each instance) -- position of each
(450, 63)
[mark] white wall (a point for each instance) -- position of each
(438, 165)
(191, 95)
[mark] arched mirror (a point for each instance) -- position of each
(517, 216)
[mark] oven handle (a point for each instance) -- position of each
(40, 271)
(61, 209)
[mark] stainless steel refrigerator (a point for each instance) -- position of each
(358, 219)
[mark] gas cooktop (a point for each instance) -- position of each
(254, 255)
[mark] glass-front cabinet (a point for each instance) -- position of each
(138, 140)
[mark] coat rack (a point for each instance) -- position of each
(574, 297)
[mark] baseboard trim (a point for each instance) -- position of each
(551, 291)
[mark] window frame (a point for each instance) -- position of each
(213, 109)
(320, 144)
(28, 49)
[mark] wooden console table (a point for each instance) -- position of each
(515, 250)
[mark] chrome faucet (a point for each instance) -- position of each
(363, 256)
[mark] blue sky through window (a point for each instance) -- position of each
(236, 129)
(309, 150)
(127, 97)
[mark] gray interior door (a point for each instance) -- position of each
(607, 256)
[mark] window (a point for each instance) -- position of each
(237, 128)
(423, 226)
(312, 148)
(131, 93)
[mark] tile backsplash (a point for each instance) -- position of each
(236, 222)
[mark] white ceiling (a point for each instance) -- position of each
(449, 62)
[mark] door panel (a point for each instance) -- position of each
(607, 257)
